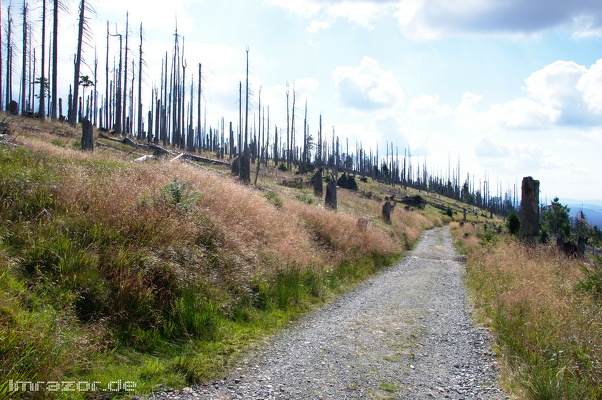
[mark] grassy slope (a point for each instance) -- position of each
(544, 310)
(162, 272)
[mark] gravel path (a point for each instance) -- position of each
(405, 333)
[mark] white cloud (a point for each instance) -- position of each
(367, 86)
(562, 93)
(522, 113)
(426, 106)
(555, 84)
(433, 19)
(324, 13)
(590, 85)
(316, 26)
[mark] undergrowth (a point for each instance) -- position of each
(545, 313)
(161, 273)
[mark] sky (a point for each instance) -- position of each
(512, 88)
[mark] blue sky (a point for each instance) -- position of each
(512, 87)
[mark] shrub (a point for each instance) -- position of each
(513, 223)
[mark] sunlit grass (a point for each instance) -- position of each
(547, 329)
(161, 273)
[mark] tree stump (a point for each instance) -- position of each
(87, 135)
(331, 195)
(242, 167)
(386, 212)
(317, 183)
(529, 211)
(13, 108)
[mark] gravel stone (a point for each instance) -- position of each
(405, 333)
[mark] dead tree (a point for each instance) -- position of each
(529, 211)
(24, 63)
(388, 207)
(87, 135)
(317, 183)
(54, 81)
(140, 133)
(124, 125)
(78, 61)
(41, 108)
(9, 57)
(198, 115)
(330, 200)
(106, 110)
(1, 103)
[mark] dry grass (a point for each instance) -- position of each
(161, 257)
(549, 332)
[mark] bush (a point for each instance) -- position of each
(513, 223)
(591, 281)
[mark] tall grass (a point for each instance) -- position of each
(547, 328)
(160, 273)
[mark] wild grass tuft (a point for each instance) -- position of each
(547, 322)
(161, 273)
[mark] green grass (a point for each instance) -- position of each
(545, 314)
(101, 285)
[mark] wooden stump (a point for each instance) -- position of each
(331, 195)
(386, 212)
(242, 167)
(87, 135)
(529, 211)
(317, 183)
(13, 108)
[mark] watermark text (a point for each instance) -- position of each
(71, 386)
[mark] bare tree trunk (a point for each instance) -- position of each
(293, 146)
(246, 150)
(9, 58)
(42, 107)
(107, 117)
(24, 62)
(1, 103)
(87, 135)
(182, 101)
(55, 55)
(529, 211)
(198, 112)
(118, 97)
(78, 59)
(125, 78)
(288, 133)
(140, 90)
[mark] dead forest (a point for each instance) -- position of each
(169, 112)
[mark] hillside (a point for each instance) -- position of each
(162, 272)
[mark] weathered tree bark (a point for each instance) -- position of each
(42, 109)
(24, 63)
(124, 125)
(87, 135)
(529, 211)
(242, 167)
(13, 108)
(386, 211)
(78, 60)
(9, 58)
(54, 84)
(140, 133)
(317, 183)
(1, 102)
(331, 195)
